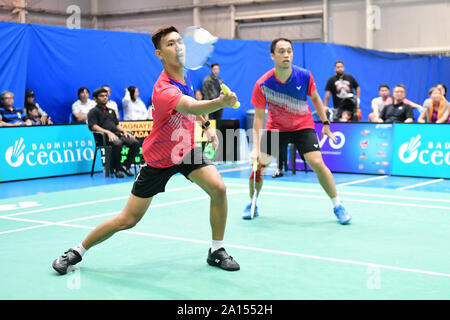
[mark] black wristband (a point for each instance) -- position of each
(326, 122)
(206, 125)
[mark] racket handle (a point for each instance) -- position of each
(227, 90)
(255, 166)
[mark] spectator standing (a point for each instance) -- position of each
(211, 89)
(341, 86)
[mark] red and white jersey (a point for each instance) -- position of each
(172, 135)
(288, 109)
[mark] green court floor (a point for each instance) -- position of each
(396, 246)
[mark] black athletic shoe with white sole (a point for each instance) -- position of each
(69, 258)
(221, 259)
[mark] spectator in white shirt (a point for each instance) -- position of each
(111, 103)
(133, 107)
(81, 107)
(378, 103)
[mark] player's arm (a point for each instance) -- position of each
(258, 124)
(187, 104)
(318, 105)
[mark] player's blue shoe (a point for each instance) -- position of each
(342, 214)
(247, 212)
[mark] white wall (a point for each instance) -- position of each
(404, 23)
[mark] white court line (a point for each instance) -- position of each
(79, 204)
(68, 224)
(420, 184)
(47, 223)
(360, 181)
(306, 256)
(345, 192)
(402, 204)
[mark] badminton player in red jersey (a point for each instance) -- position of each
(284, 89)
(170, 149)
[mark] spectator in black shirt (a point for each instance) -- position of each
(341, 86)
(398, 111)
(103, 119)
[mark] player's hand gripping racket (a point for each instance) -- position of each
(199, 45)
(255, 193)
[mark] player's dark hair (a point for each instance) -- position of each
(97, 92)
(401, 86)
(214, 64)
(339, 61)
(161, 32)
(383, 86)
(274, 43)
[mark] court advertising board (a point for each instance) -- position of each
(45, 151)
(422, 150)
(360, 148)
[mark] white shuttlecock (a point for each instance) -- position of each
(200, 35)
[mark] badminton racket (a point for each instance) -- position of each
(199, 46)
(255, 193)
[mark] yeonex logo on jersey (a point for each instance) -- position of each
(288, 103)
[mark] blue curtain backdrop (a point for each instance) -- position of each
(55, 61)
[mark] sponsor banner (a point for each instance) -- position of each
(140, 129)
(422, 150)
(199, 134)
(45, 151)
(360, 148)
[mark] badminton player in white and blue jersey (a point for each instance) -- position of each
(284, 91)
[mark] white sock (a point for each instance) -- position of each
(336, 202)
(80, 249)
(216, 244)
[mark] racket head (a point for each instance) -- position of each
(199, 45)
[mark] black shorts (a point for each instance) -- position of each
(151, 180)
(304, 140)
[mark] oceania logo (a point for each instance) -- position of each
(408, 150)
(14, 154)
(431, 152)
(47, 153)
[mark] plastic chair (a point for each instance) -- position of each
(101, 142)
